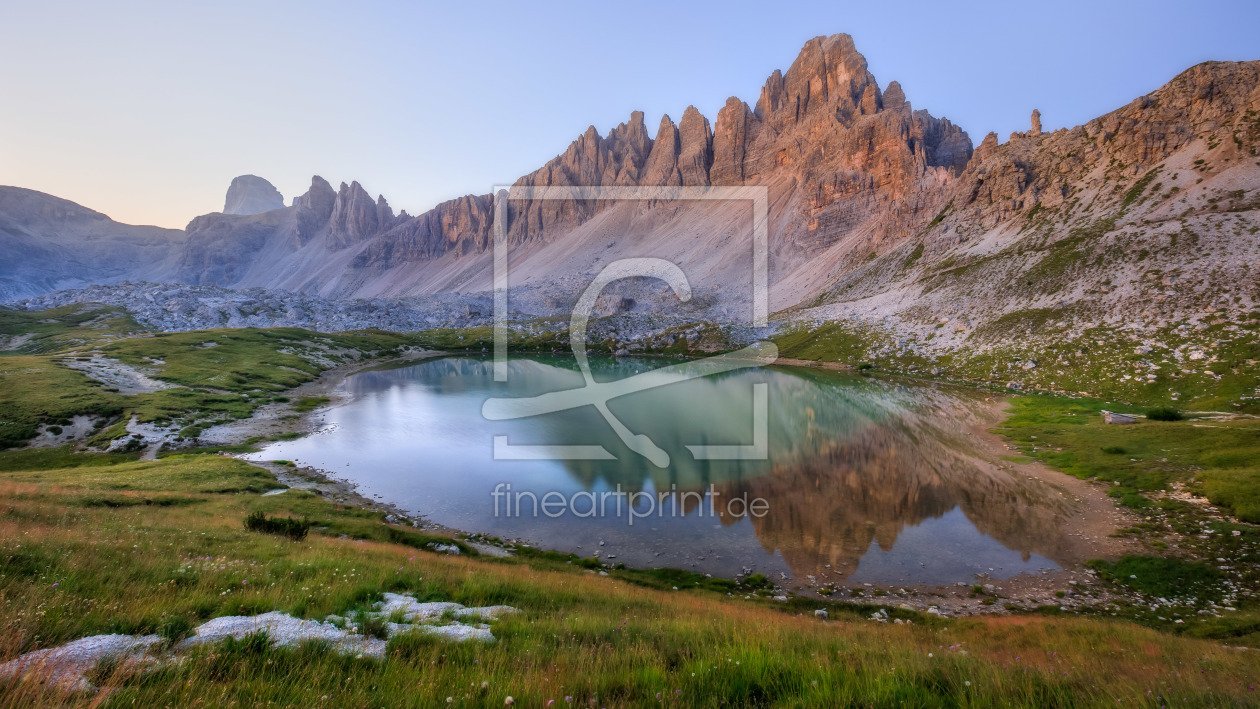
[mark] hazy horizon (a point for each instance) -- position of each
(146, 113)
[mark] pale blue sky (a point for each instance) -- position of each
(146, 110)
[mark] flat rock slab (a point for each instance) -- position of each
(415, 611)
(67, 665)
(285, 631)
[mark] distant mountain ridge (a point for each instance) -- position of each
(823, 131)
(51, 243)
(876, 207)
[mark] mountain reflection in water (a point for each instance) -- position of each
(866, 479)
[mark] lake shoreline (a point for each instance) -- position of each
(1097, 516)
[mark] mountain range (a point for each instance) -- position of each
(877, 210)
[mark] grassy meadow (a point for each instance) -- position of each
(96, 543)
(216, 375)
(1198, 557)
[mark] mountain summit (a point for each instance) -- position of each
(251, 194)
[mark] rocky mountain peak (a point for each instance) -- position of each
(251, 194)
(384, 213)
(314, 209)
(631, 143)
(735, 130)
(355, 216)
(828, 76)
(319, 193)
(894, 97)
(695, 147)
(662, 163)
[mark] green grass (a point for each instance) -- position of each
(1236, 487)
(242, 361)
(914, 257)
(65, 327)
(1162, 577)
(68, 570)
(482, 338)
(220, 375)
(1096, 361)
(64, 457)
(295, 529)
(180, 473)
(846, 343)
(1065, 256)
(1196, 557)
(1034, 319)
(35, 390)
(1222, 458)
(941, 215)
(1138, 188)
(310, 403)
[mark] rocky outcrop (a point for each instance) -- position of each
(250, 194)
(695, 148)
(222, 248)
(314, 209)
(230, 249)
(662, 164)
(356, 217)
(458, 226)
(895, 98)
(736, 128)
(1205, 106)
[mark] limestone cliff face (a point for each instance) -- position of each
(461, 226)
(662, 164)
(1206, 103)
(823, 124)
(314, 209)
(222, 248)
(695, 148)
(736, 128)
(356, 217)
(1141, 218)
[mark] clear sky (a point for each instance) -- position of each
(147, 110)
